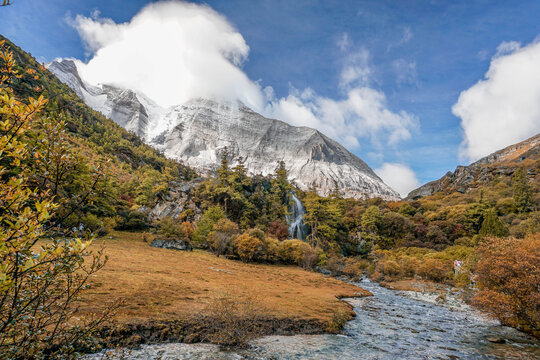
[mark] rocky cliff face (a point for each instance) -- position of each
(502, 162)
(198, 132)
(130, 110)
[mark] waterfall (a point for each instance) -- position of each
(296, 219)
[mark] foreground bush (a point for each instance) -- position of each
(508, 277)
(39, 283)
(233, 320)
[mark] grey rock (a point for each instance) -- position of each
(127, 108)
(172, 244)
(176, 201)
(323, 270)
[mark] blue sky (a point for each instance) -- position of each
(420, 54)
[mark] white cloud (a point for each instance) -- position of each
(399, 177)
(355, 70)
(504, 107)
(171, 51)
(362, 113)
(174, 51)
(507, 47)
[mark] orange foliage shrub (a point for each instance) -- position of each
(352, 268)
(335, 264)
(436, 269)
(271, 249)
(248, 247)
(508, 277)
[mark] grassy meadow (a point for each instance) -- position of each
(162, 284)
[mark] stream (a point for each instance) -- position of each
(388, 325)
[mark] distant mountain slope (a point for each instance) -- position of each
(198, 132)
(136, 173)
(464, 178)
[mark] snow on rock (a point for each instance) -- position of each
(198, 132)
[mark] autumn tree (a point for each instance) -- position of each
(371, 220)
(294, 251)
(279, 196)
(324, 216)
(278, 229)
(170, 228)
(507, 277)
(222, 236)
(248, 247)
(39, 281)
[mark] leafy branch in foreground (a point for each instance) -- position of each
(40, 280)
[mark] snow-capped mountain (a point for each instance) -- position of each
(198, 132)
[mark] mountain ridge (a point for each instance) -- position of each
(501, 162)
(198, 132)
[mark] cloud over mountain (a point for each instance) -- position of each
(399, 177)
(171, 51)
(504, 107)
(175, 51)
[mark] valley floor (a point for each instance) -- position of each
(174, 295)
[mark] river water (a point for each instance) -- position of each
(388, 326)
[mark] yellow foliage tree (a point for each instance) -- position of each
(38, 281)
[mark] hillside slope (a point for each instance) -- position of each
(133, 173)
(503, 162)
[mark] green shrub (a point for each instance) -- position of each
(205, 225)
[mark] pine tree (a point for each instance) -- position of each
(280, 191)
(522, 192)
(492, 225)
(224, 172)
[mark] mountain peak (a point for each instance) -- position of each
(197, 132)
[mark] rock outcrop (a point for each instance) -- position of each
(177, 201)
(198, 132)
(171, 244)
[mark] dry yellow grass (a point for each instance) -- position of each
(164, 284)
